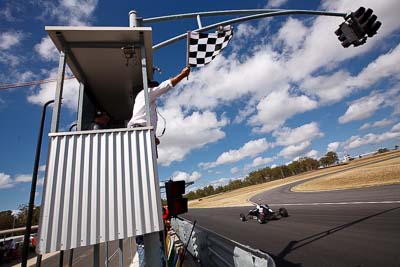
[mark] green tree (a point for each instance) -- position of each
(332, 157)
(6, 220)
(309, 164)
(383, 150)
(23, 215)
(255, 177)
(324, 161)
(276, 173)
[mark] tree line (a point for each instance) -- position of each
(268, 174)
(8, 220)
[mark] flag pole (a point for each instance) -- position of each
(187, 52)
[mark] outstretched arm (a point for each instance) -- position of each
(184, 73)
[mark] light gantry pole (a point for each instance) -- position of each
(254, 14)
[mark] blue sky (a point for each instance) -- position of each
(284, 88)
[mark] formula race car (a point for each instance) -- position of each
(263, 213)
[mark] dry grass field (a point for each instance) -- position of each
(386, 172)
(382, 173)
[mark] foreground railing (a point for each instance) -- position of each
(212, 249)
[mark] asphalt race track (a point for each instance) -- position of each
(359, 227)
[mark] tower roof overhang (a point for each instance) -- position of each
(96, 58)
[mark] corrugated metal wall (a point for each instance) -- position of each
(99, 186)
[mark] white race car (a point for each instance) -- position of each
(263, 213)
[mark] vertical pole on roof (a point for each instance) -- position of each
(144, 75)
(59, 89)
(80, 106)
(96, 255)
(133, 19)
(199, 22)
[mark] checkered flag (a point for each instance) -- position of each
(204, 47)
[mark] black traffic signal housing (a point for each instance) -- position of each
(357, 27)
(177, 204)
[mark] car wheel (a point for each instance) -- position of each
(261, 219)
(242, 217)
(283, 212)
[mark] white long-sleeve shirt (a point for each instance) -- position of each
(139, 108)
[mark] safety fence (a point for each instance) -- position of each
(211, 249)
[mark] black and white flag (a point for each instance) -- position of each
(204, 47)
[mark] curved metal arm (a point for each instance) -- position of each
(209, 14)
(265, 14)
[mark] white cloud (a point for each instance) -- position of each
(244, 30)
(23, 178)
(9, 59)
(184, 176)
(287, 136)
(385, 65)
(277, 107)
(5, 181)
(16, 76)
(229, 79)
(250, 149)
(244, 113)
(329, 88)
(71, 12)
(362, 108)
(357, 141)
(291, 35)
(376, 124)
(334, 87)
(42, 168)
(25, 76)
(47, 50)
(47, 92)
(366, 106)
(223, 181)
(10, 39)
(293, 151)
(40, 181)
(392, 99)
(312, 154)
(275, 3)
(259, 161)
(234, 170)
(186, 133)
(396, 128)
(333, 146)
